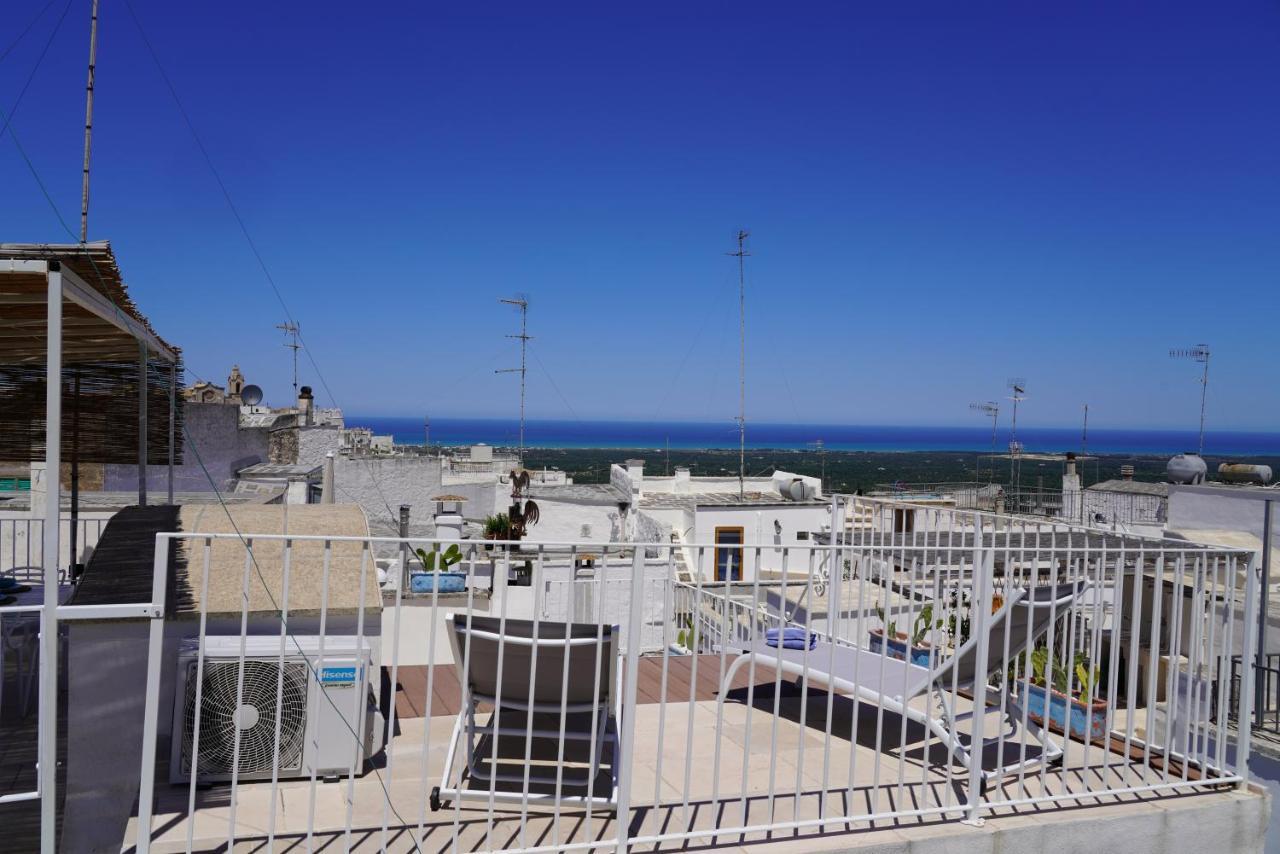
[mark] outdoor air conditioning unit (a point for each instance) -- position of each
(329, 720)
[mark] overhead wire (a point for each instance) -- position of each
(551, 380)
(7, 116)
(244, 230)
(8, 125)
(26, 30)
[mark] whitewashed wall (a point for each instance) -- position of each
(758, 529)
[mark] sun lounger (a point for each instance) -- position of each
(569, 727)
(893, 684)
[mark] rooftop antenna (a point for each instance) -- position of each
(992, 409)
(426, 433)
(292, 330)
(84, 237)
(1018, 387)
(1199, 353)
(88, 125)
(522, 304)
(1084, 433)
(741, 255)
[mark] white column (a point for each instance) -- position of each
(142, 424)
(173, 422)
(48, 732)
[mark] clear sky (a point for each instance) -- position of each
(940, 195)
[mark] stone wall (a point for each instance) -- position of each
(316, 441)
(215, 439)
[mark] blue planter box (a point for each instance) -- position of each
(920, 655)
(1084, 723)
(445, 582)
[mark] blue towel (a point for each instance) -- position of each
(792, 638)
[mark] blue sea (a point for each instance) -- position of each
(836, 437)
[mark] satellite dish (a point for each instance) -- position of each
(251, 395)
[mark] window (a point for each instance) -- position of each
(729, 558)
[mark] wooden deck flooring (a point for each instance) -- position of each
(446, 693)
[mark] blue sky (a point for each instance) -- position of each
(939, 196)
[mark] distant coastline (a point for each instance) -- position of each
(632, 435)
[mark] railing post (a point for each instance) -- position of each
(151, 700)
(835, 571)
(404, 549)
(1248, 667)
(627, 726)
(1260, 705)
(983, 569)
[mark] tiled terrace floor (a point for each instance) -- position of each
(671, 770)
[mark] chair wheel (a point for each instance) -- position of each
(435, 799)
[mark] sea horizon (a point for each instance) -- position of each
(693, 435)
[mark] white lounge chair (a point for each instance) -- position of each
(496, 667)
(893, 684)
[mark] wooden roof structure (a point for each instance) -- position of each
(92, 280)
(105, 340)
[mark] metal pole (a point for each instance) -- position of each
(524, 344)
(1204, 392)
(88, 122)
(1013, 438)
(630, 687)
(1248, 674)
(404, 548)
(991, 469)
(522, 304)
(75, 475)
(151, 700)
(47, 780)
(1260, 658)
(983, 568)
(742, 364)
(173, 423)
(142, 424)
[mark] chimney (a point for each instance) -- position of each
(635, 471)
(306, 407)
(682, 480)
(326, 480)
(1071, 464)
(1126, 472)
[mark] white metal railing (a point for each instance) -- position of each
(712, 745)
(22, 542)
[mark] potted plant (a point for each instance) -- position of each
(436, 574)
(687, 638)
(497, 527)
(900, 642)
(1075, 711)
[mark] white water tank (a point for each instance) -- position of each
(1186, 468)
(799, 489)
(1244, 473)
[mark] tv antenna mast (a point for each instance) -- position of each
(992, 409)
(1018, 387)
(1084, 433)
(1198, 353)
(741, 255)
(88, 123)
(524, 338)
(292, 330)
